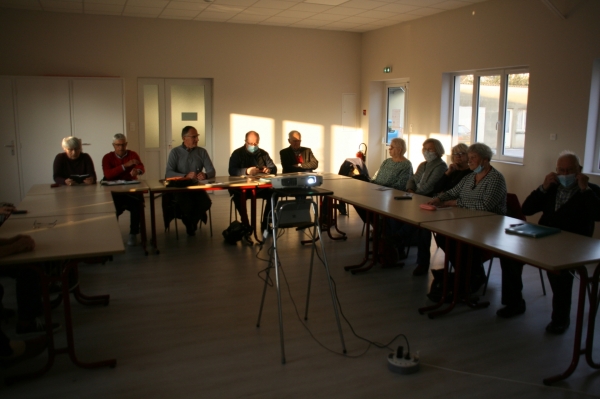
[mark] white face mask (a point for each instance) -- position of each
(429, 156)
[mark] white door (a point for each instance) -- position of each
(165, 107)
(396, 95)
(9, 161)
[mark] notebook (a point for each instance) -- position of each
(532, 230)
(118, 182)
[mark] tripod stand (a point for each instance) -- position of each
(301, 212)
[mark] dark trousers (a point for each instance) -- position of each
(28, 291)
(193, 206)
(264, 193)
(512, 284)
(406, 232)
(477, 258)
(562, 285)
(133, 204)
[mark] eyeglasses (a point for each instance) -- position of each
(192, 137)
(120, 145)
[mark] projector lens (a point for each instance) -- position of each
(311, 180)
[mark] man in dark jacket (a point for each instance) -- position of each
(296, 158)
(569, 202)
(251, 160)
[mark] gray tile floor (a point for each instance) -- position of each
(183, 324)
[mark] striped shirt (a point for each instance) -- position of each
(488, 195)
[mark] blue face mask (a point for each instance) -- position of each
(478, 169)
(566, 180)
(251, 148)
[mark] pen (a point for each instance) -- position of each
(518, 224)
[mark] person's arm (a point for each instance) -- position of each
(494, 189)
(454, 192)
(89, 169)
(310, 162)
(209, 169)
(403, 177)
(427, 187)
(269, 163)
(592, 201)
(16, 244)
(57, 170)
(287, 160)
(138, 169)
(111, 171)
(534, 203)
(236, 167)
(412, 183)
(172, 161)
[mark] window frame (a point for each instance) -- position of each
(502, 108)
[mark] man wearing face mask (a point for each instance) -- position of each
(251, 160)
(567, 201)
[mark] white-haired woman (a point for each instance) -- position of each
(72, 162)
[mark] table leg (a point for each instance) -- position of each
(153, 222)
(578, 351)
(143, 235)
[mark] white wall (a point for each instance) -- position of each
(501, 33)
(279, 73)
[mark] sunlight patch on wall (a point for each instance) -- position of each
(242, 124)
(313, 136)
(414, 143)
(344, 144)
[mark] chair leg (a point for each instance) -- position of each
(210, 221)
(487, 277)
(542, 280)
(176, 229)
(363, 230)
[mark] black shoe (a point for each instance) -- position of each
(557, 328)
(421, 270)
(511, 310)
(342, 209)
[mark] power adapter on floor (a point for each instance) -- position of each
(403, 363)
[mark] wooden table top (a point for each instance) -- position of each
(71, 237)
(550, 252)
(381, 200)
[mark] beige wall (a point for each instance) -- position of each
(502, 33)
(279, 73)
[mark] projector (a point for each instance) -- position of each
(297, 181)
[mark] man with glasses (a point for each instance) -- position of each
(189, 160)
(123, 164)
(251, 160)
(296, 158)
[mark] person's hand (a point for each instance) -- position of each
(24, 243)
(435, 202)
(134, 173)
(88, 180)
(410, 190)
(131, 162)
(201, 176)
(7, 210)
(582, 181)
(451, 168)
(252, 170)
(70, 182)
(550, 179)
(265, 170)
(191, 175)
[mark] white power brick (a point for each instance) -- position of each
(402, 365)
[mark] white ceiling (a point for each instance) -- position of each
(342, 15)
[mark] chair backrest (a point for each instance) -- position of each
(513, 207)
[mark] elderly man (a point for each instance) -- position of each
(251, 160)
(189, 160)
(70, 166)
(123, 164)
(567, 201)
(296, 158)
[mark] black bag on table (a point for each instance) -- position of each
(235, 232)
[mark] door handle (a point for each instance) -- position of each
(11, 146)
(86, 143)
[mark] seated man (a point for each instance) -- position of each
(296, 158)
(73, 163)
(189, 160)
(569, 202)
(28, 289)
(122, 164)
(251, 160)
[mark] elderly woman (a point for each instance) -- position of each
(73, 163)
(458, 169)
(483, 189)
(394, 172)
(423, 182)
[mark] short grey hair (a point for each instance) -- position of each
(292, 132)
(462, 147)
(119, 136)
(439, 148)
(71, 143)
(400, 143)
(569, 154)
(482, 150)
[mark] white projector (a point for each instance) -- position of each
(297, 181)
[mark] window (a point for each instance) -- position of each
(592, 143)
(488, 102)
(396, 103)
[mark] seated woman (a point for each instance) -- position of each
(484, 189)
(423, 182)
(394, 172)
(73, 163)
(458, 169)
